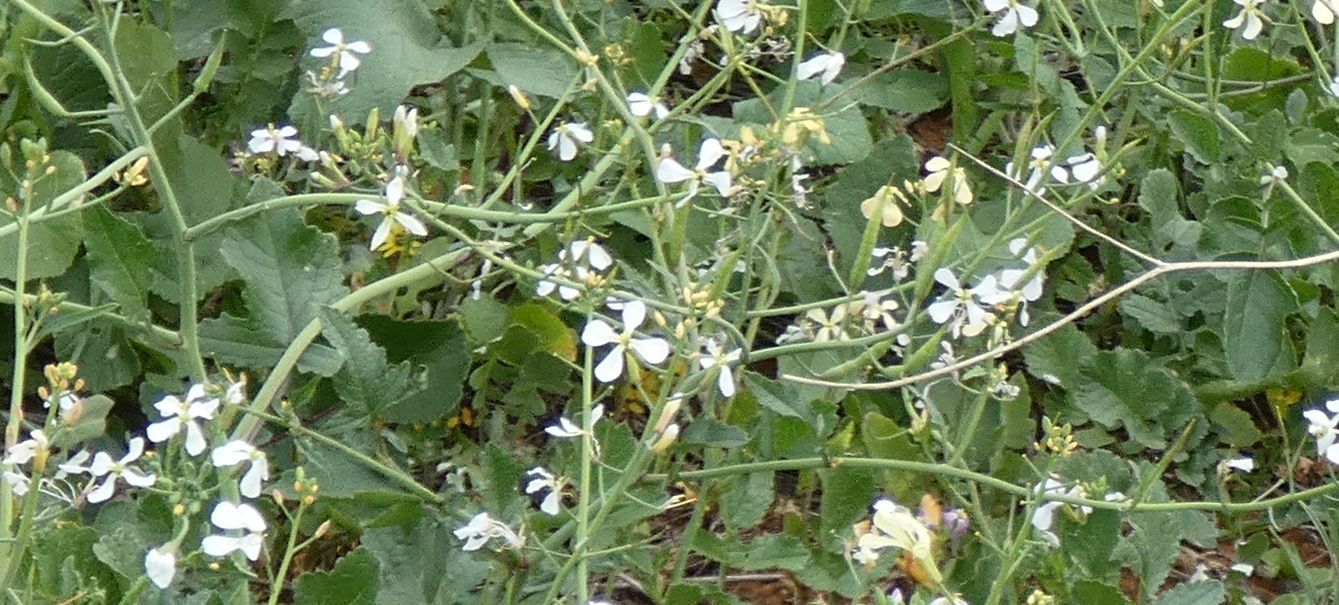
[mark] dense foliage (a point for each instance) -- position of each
(740, 301)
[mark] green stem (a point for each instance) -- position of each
(277, 589)
(1308, 211)
(583, 499)
(16, 385)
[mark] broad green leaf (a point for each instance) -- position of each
(52, 244)
(848, 494)
(1058, 357)
(747, 499)
(422, 564)
(339, 474)
(1154, 316)
(910, 91)
(237, 341)
(537, 70)
(1237, 428)
(714, 433)
(1159, 195)
(775, 396)
(555, 337)
(1093, 592)
(1125, 388)
(1309, 145)
(59, 544)
(1253, 330)
(438, 352)
(353, 580)
(1198, 133)
(484, 319)
(104, 354)
(118, 258)
(408, 50)
(365, 378)
(1092, 541)
(291, 271)
(86, 422)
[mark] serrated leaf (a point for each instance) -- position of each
(1198, 133)
(555, 337)
(237, 341)
(1236, 425)
(1152, 315)
(712, 432)
(438, 355)
(52, 243)
(354, 579)
(365, 378)
(1253, 331)
(847, 494)
(87, 421)
(910, 91)
(118, 257)
(1125, 388)
(1058, 357)
(776, 396)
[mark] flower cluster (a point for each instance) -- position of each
(581, 262)
(968, 311)
(344, 59)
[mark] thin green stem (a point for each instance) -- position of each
(278, 588)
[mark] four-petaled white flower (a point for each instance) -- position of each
(103, 465)
(598, 333)
(742, 16)
(391, 214)
(1082, 168)
(826, 65)
(568, 137)
(884, 259)
(830, 326)
(483, 528)
(949, 601)
(1043, 517)
(542, 481)
(238, 451)
(280, 141)
(1244, 464)
(25, 450)
(963, 306)
(1250, 21)
(180, 414)
(1039, 160)
(641, 105)
(585, 257)
(897, 526)
(1325, 429)
(942, 170)
(348, 51)
(1015, 13)
(670, 171)
(233, 517)
(1324, 11)
(887, 202)
(17, 481)
(160, 565)
(566, 428)
(718, 357)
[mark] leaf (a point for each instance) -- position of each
(847, 494)
(1092, 542)
(1058, 357)
(1237, 427)
(104, 354)
(747, 500)
(537, 70)
(1253, 331)
(1205, 592)
(53, 243)
(848, 130)
(438, 352)
(118, 256)
(408, 50)
(1198, 133)
(1125, 388)
(910, 91)
(553, 334)
(1093, 592)
(365, 378)
(1152, 315)
(776, 397)
(712, 432)
(339, 474)
(291, 271)
(354, 579)
(87, 423)
(237, 341)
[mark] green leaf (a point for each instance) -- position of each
(1093, 592)
(1092, 542)
(408, 50)
(537, 70)
(104, 354)
(439, 354)
(365, 378)
(1205, 592)
(847, 495)
(238, 341)
(339, 474)
(848, 130)
(910, 91)
(1059, 356)
(52, 243)
(1309, 145)
(354, 579)
(1253, 331)
(1154, 316)
(1237, 428)
(712, 432)
(747, 500)
(776, 397)
(1158, 194)
(1125, 388)
(118, 258)
(1198, 133)
(90, 422)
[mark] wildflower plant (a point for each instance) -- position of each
(973, 301)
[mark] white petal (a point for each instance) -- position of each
(232, 452)
(709, 153)
(669, 171)
(567, 148)
(250, 484)
(323, 52)
(551, 503)
(103, 491)
(726, 381)
(598, 257)
(611, 367)
(942, 310)
(1007, 24)
(947, 278)
(720, 181)
(159, 432)
(134, 478)
(160, 565)
(136, 450)
(195, 439)
(634, 313)
(168, 406)
(651, 350)
(598, 333)
(411, 224)
(333, 36)
(369, 207)
(102, 464)
(1321, 11)
(359, 46)
(639, 104)
(1253, 26)
(382, 234)
(996, 5)
(1027, 15)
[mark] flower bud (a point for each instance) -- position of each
(666, 439)
(518, 97)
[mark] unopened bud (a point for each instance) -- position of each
(322, 529)
(667, 413)
(178, 510)
(666, 439)
(518, 97)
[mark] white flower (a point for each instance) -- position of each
(17, 481)
(1040, 163)
(235, 394)
(184, 414)
(598, 333)
(406, 119)
(1323, 428)
(949, 601)
(1324, 11)
(1083, 168)
(232, 517)
(830, 326)
(483, 528)
(160, 565)
(67, 401)
(236, 452)
(889, 258)
(1244, 464)
(74, 465)
(670, 171)
(717, 357)
(391, 214)
(642, 105)
(280, 141)
(1250, 21)
(114, 469)
(25, 450)
(942, 170)
(741, 16)
(918, 250)
(586, 257)
(827, 64)
(961, 305)
(1012, 279)
(887, 202)
(544, 480)
(325, 88)
(896, 526)
(1015, 13)
(566, 428)
(348, 60)
(568, 137)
